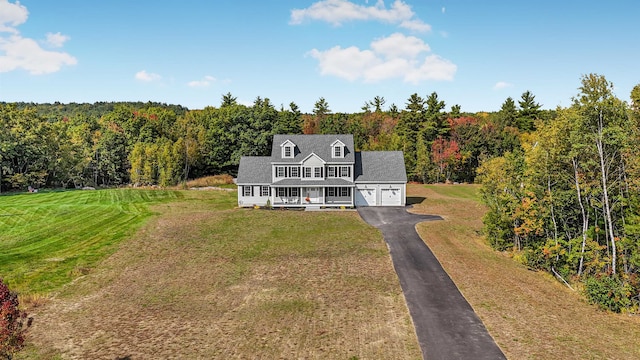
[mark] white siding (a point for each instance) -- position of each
(253, 199)
(313, 161)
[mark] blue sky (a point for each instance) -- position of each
(190, 52)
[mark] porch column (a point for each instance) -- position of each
(353, 196)
(272, 198)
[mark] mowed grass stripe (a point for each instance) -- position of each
(68, 254)
(47, 239)
(52, 224)
(56, 221)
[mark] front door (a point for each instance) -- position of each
(312, 195)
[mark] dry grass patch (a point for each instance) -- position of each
(206, 280)
(530, 314)
(214, 180)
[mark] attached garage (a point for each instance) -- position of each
(380, 195)
(366, 197)
(391, 197)
(380, 178)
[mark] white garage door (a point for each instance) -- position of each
(366, 197)
(391, 197)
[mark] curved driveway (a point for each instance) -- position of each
(446, 325)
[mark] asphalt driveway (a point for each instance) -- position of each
(446, 325)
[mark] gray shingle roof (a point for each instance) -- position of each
(317, 144)
(380, 166)
(370, 166)
(254, 170)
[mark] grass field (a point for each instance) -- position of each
(530, 314)
(187, 274)
(204, 279)
(48, 239)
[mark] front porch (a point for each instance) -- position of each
(328, 196)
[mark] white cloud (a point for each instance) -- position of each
(146, 77)
(56, 40)
(502, 85)
(399, 45)
(416, 25)
(204, 82)
(434, 67)
(350, 63)
(17, 52)
(12, 15)
(394, 68)
(396, 56)
(337, 12)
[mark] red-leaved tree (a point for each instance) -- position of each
(445, 154)
(13, 323)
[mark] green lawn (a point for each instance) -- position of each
(202, 278)
(457, 191)
(48, 239)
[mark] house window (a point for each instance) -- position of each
(294, 192)
(344, 191)
(295, 171)
(331, 191)
(337, 151)
(306, 172)
(331, 171)
(345, 171)
(247, 190)
(281, 171)
(264, 191)
(317, 172)
(282, 192)
(288, 150)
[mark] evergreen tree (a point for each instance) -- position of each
(508, 114)
(228, 100)
(455, 112)
(528, 113)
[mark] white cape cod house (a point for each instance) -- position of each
(321, 171)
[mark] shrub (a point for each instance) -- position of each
(13, 323)
(609, 292)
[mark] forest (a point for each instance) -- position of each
(112, 144)
(567, 199)
(561, 186)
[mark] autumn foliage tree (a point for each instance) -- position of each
(446, 155)
(13, 323)
(566, 200)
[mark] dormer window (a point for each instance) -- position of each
(337, 149)
(288, 149)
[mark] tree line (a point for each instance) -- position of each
(112, 144)
(567, 199)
